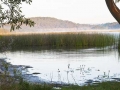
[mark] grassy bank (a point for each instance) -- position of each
(28, 86)
(24, 86)
(56, 41)
(101, 86)
(10, 85)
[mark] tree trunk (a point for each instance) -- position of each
(113, 9)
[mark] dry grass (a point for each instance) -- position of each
(3, 31)
(57, 31)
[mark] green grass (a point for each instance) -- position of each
(25, 86)
(101, 86)
(22, 85)
(28, 86)
(57, 41)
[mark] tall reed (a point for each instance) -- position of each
(57, 41)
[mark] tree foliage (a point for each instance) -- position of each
(11, 13)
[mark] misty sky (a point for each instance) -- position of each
(79, 11)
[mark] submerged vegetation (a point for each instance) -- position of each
(57, 41)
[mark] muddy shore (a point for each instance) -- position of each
(21, 69)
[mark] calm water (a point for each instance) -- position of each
(74, 66)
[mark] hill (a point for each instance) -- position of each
(48, 24)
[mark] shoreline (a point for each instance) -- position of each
(19, 69)
(17, 32)
(30, 78)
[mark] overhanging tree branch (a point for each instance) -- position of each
(13, 14)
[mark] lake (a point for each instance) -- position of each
(70, 66)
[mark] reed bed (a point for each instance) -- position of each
(57, 41)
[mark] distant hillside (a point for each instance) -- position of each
(53, 24)
(114, 25)
(47, 22)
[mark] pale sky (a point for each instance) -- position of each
(78, 11)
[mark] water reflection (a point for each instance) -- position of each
(74, 66)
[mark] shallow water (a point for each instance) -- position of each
(70, 66)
